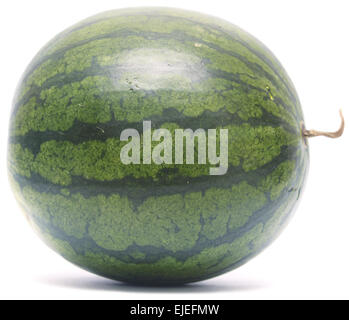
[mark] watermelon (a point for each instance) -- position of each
(156, 72)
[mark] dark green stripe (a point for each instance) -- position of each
(271, 65)
(81, 132)
(229, 76)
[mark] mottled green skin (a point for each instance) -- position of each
(155, 223)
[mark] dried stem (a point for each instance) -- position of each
(333, 135)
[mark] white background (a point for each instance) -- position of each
(310, 259)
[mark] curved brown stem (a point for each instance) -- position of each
(333, 135)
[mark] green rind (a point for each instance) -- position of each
(150, 223)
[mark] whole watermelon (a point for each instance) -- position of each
(157, 222)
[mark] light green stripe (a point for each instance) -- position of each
(250, 147)
(94, 100)
(114, 225)
(203, 36)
